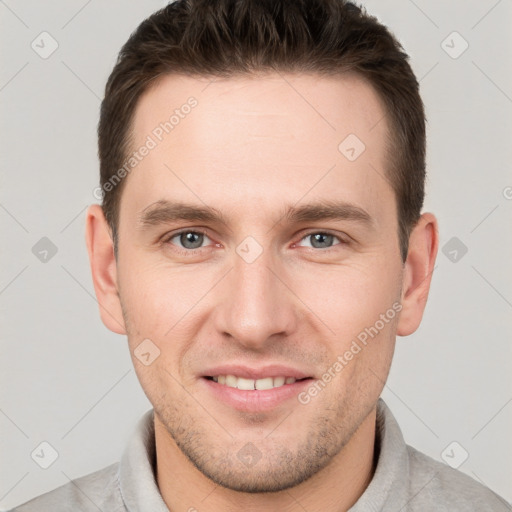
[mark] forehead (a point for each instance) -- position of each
(267, 105)
(269, 136)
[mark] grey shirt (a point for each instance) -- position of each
(405, 480)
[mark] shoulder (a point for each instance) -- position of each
(92, 492)
(437, 486)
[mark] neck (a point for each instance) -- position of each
(333, 489)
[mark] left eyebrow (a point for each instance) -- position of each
(328, 210)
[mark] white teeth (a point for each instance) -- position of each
(261, 384)
(245, 384)
(231, 381)
(251, 384)
(279, 381)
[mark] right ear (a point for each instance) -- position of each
(104, 268)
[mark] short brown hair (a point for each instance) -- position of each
(223, 38)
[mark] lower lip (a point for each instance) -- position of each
(257, 400)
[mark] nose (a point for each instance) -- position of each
(256, 305)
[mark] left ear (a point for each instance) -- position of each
(421, 257)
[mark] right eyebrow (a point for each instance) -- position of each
(164, 211)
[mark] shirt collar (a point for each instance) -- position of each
(388, 488)
(137, 481)
(386, 491)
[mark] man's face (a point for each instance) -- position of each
(267, 287)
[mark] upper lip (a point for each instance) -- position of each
(246, 372)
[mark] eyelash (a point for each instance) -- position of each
(190, 252)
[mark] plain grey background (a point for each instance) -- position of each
(68, 381)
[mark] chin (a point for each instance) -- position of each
(265, 476)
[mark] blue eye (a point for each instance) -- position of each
(321, 240)
(189, 239)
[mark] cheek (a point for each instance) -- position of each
(156, 296)
(350, 298)
(360, 342)
(168, 306)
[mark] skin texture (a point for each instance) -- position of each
(251, 148)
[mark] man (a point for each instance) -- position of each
(261, 245)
